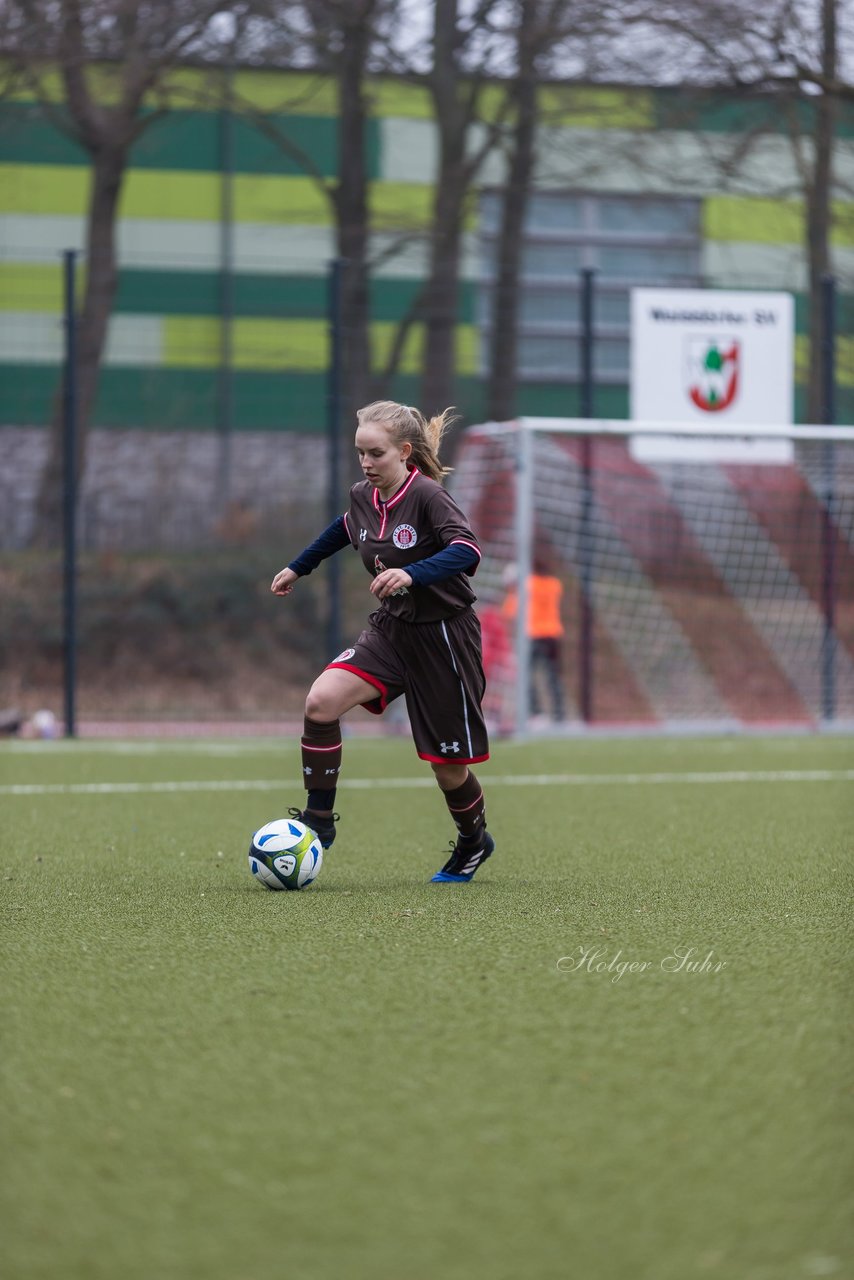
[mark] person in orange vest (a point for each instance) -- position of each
(545, 630)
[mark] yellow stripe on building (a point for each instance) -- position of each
(182, 194)
(400, 206)
(396, 98)
(291, 93)
(34, 287)
(38, 188)
(844, 360)
(763, 221)
(590, 107)
(408, 206)
(412, 361)
(288, 201)
(843, 223)
(195, 342)
(277, 92)
(196, 88)
(165, 193)
(299, 93)
(103, 81)
(468, 349)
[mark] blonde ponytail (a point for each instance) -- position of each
(408, 425)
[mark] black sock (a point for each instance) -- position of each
(321, 763)
(465, 804)
(320, 801)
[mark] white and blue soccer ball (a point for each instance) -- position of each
(285, 854)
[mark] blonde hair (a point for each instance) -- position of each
(408, 425)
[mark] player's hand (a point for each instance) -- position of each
(388, 581)
(283, 583)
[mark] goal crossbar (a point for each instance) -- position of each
(626, 427)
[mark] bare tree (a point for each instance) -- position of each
(136, 43)
(462, 59)
(347, 41)
(546, 34)
(355, 40)
(817, 178)
(351, 191)
(503, 347)
(797, 55)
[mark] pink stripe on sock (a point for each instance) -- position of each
(466, 807)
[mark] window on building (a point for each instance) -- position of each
(627, 240)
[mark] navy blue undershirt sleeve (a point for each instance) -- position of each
(444, 564)
(331, 540)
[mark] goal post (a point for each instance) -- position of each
(700, 578)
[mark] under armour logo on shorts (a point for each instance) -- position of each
(449, 746)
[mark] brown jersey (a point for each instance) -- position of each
(418, 521)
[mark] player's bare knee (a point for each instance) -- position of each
(320, 705)
(449, 776)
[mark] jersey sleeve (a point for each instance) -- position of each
(445, 564)
(330, 541)
(451, 526)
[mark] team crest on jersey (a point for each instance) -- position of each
(345, 656)
(404, 537)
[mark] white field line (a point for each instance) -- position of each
(367, 784)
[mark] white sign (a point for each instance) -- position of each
(709, 357)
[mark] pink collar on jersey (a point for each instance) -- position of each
(413, 472)
(385, 507)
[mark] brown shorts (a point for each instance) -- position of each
(438, 668)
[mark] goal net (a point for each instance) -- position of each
(697, 581)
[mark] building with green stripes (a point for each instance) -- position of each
(646, 186)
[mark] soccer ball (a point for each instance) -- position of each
(285, 855)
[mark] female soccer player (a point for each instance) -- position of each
(424, 639)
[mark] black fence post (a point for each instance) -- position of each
(828, 531)
(69, 498)
(585, 634)
(335, 389)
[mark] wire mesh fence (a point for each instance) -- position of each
(206, 467)
(719, 593)
(193, 634)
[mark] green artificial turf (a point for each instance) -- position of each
(384, 1079)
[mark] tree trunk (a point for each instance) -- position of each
(441, 295)
(351, 205)
(819, 204)
(504, 336)
(108, 166)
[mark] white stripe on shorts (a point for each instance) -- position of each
(462, 689)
